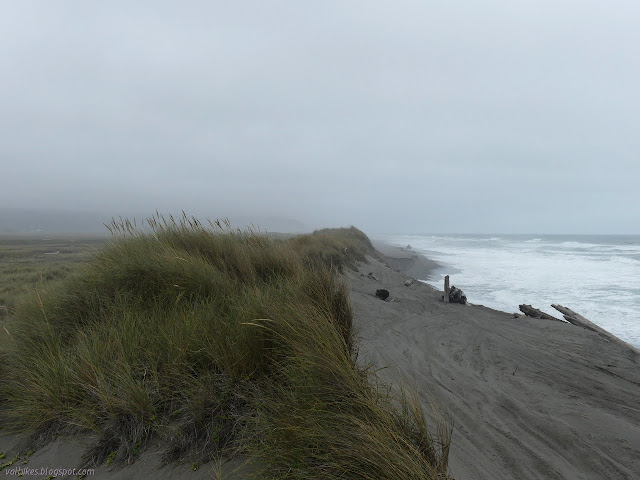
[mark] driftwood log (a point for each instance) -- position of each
(529, 311)
(577, 319)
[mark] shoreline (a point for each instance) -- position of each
(409, 262)
(528, 398)
(426, 269)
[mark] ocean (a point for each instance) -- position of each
(597, 276)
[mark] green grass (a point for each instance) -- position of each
(219, 342)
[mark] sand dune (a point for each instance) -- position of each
(529, 399)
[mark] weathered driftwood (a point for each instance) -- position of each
(577, 319)
(529, 311)
(446, 289)
(457, 296)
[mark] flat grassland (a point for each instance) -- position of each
(28, 261)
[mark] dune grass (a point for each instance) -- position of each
(333, 247)
(219, 342)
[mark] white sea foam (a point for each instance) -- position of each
(627, 260)
(598, 277)
(578, 245)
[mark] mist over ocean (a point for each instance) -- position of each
(598, 276)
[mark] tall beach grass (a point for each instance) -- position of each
(218, 342)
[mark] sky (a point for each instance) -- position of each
(395, 116)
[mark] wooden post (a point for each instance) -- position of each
(446, 289)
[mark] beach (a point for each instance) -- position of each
(596, 275)
(527, 398)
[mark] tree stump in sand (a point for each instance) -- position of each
(457, 296)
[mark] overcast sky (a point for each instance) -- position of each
(397, 117)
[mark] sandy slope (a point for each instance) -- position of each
(530, 399)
